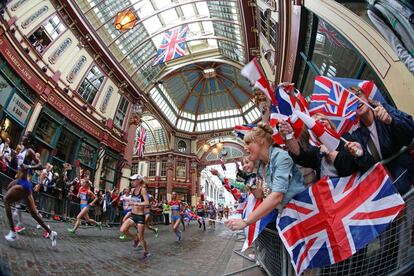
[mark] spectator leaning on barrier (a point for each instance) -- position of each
(340, 162)
(282, 176)
(384, 130)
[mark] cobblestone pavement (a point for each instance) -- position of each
(94, 252)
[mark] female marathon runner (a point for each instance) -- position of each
(85, 194)
(148, 217)
(22, 188)
(200, 213)
(126, 208)
(175, 215)
(138, 201)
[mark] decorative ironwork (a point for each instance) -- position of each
(60, 50)
(17, 5)
(34, 16)
(76, 69)
(105, 101)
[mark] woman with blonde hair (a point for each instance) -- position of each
(282, 178)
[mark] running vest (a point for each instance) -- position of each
(175, 206)
(200, 207)
(83, 194)
(136, 198)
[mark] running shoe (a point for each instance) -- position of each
(45, 233)
(71, 230)
(19, 229)
(38, 226)
(53, 238)
(11, 236)
(136, 243)
(145, 255)
(157, 232)
(99, 224)
(122, 237)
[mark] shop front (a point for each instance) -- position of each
(16, 104)
(59, 141)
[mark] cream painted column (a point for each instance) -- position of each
(373, 47)
(99, 170)
(33, 118)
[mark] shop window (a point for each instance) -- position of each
(327, 53)
(121, 112)
(47, 33)
(182, 146)
(46, 129)
(180, 169)
(87, 154)
(66, 146)
(108, 173)
(163, 168)
(134, 168)
(91, 84)
(152, 169)
(10, 129)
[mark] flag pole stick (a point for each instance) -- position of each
(364, 102)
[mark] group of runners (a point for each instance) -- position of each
(136, 205)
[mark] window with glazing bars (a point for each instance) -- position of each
(91, 84)
(152, 169)
(121, 112)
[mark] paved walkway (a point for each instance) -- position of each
(94, 252)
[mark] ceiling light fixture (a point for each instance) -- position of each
(125, 20)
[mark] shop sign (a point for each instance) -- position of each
(18, 108)
(20, 66)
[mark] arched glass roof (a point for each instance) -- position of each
(204, 97)
(157, 139)
(214, 27)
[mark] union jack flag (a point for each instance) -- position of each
(330, 34)
(336, 217)
(253, 230)
(240, 131)
(140, 138)
(322, 90)
(172, 46)
(342, 102)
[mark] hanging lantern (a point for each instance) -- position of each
(220, 145)
(125, 20)
(215, 151)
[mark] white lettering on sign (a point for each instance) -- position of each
(19, 108)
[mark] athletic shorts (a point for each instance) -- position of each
(200, 214)
(26, 184)
(84, 205)
(175, 218)
(147, 213)
(125, 212)
(138, 219)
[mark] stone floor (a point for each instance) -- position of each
(94, 252)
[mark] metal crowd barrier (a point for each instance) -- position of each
(50, 205)
(392, 253)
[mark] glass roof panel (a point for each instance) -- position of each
(190, 100)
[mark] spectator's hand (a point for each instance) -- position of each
(381, 114)
(285, 129)
(37, 188)
(235, 224)
(214, 172)
(354, 148)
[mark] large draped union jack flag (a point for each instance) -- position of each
(172, 46)
(341, 102)
(336, 217)
(140, 138)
